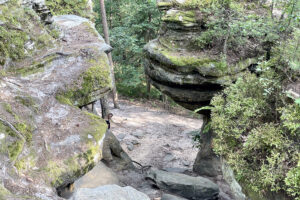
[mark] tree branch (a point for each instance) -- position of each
(6, 123)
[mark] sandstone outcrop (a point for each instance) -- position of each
(46, 72)
(178, 67)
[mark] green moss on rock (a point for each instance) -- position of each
(28, 101)
(12, 37)
(21, 33)
(35, 67)
(3, 193)
(98, 126)
(185, 18)
(204, 64)
(64, 100)
(90, 85)
(74, 167)
(164, 4)
(63, 7)
(15, 149)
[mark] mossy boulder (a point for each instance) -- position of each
(179, 67)
(82, 8)
(52, 141)
(90, 86)
(184, 18)
(21, 33)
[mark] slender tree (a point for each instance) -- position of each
(106, 37)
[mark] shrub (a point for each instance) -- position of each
(256, 131)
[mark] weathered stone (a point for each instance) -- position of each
(100, 175)
(186, 186)
(186, 163)
(61, 142)
(109, 192)
(207, 163)
(175, 169)
(169, 157)
(229, 177)
(121, 136)
(130, 146)
(139, 134)
(113, 154)
(171, 197)
(135, 142)
(179, 68)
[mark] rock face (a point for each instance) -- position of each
(45, 72)
(186, 186)
(171, 197)
(109, 192)
(113, 154)
(207, 163)
(100, 175)
(181, 69)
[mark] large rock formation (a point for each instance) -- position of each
(191, 74)
(46, 71)
(178, 67)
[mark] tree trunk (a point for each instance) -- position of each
(106, 37)
(148, 87)
(104, 107)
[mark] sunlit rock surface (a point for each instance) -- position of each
(45, 73)
(109, 192)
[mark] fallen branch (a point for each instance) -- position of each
(142, 167)
(6, 123)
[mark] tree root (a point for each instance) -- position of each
(142, 167)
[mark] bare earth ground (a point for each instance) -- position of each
(156, 136)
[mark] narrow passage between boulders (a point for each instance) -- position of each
(154, 136)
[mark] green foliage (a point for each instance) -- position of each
(131, 82)
(290, 51)
(132, 24)
(292, 181)
(257, 130)
(290, 116)
(62, 7)
(233, 31)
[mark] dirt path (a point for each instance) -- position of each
(160, 138)
(154, 136)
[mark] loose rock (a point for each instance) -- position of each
(130, 146)
(169, 157)
(121, 136)
(171, 197)
(109, 192)
(183, 185)
(139, 135)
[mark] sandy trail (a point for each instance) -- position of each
(155, 136)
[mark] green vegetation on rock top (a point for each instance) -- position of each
(76, 7)
(186, 18)
(21, 34)
(90, 84)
